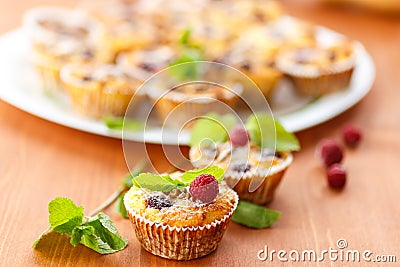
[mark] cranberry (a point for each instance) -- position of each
(330, 152)
(204, 188)
(158, 202)
(351, 135)
(241, 167)
(336, 176)
(239, 136)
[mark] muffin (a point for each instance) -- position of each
(254, 55)
(175, 223)
(147, 61)
(59, 36)
(123, 29)
(178, 106)
(243, 166)
(320, 69)
(98, 90)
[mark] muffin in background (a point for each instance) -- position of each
(59, 36)
(178, 106)
(98, 90)
(320, 69)
(243, 166)
(123, 28)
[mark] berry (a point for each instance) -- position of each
(336, 176)
(351, 135)
(158, 202)
(204, 188)
(241, 167)
(330, 152)
(239, 136)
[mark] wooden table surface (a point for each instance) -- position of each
(40, 160)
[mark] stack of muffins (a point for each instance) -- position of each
(139, 38)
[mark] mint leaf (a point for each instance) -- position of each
(154, 182)
(261, 128)
(64, 215)
(212, 126)
(121, 123)
(120, 207)
(185, 37)
(215, 171)
(98, 233)
(254, 216)
(80, 231)
(190, 70)
(105, 238)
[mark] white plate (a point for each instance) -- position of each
(20, 87)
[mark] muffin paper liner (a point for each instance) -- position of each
(179, 243)
(315, 81)
(240, 182)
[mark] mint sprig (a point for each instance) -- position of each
(97, 232)
(254, 216)
(165, 183)
(261, 128)
(212, 126)
(121, 123)
(190, 53)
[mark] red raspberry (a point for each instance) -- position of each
(330, 152)
(351, 135)
(204, 188)
(336, 176)
(239, 136)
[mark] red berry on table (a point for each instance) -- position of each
(330, 152)
(239, 136)
(351, 135)
(336, 176)
(204, 188)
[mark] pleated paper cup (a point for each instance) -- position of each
(270, 178)
(179, 243)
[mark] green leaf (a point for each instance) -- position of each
(215, 171)
(212, 126)
(121, 123)
(185, 37)
(105, 238)
(64, 215)
(261, 128)
(190, 70)
(80, 231)
(254, 216)
(120, 207)
(154, 182)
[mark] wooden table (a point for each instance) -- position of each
(40, 160)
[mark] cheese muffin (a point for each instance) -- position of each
(245, 166)
(320, 69)
(123, 29)
(98, 90)
(175, 224)
(59, 36)
(181, 104)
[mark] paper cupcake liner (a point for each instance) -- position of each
(322, 85)
(94, 102)
(314, 81)
(271, 178)
(240, 182)
(179, 243)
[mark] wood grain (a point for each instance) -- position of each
(40, 160)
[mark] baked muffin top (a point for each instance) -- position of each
(177, 208)
(240, 161)
(318, 59)
(110, 78)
